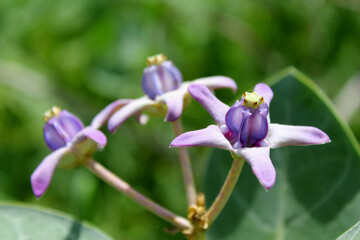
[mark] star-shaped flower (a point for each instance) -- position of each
(165, 94)
(245, 130)
(70, 142)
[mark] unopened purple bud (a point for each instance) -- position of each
(60, 128)
(160, 76)
(247, 122)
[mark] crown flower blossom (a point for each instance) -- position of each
(245, 130)
(166, 94)
(70, 143)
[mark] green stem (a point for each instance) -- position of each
(122, 186)
(185, 166)
(226, 190)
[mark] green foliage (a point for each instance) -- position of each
(316, 195)
(352, 234)
(25, 222)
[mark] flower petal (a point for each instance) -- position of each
(69, 123)
(261, 165)
(94, 134)
(174, 101)
(264, 90)
(127, 111)
(286, 135)
(52, 138)
(41, 177)
(103, 116)
(207, 137)
(216, 82)
(214, 106)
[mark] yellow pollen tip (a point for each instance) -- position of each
(156, 59)
(252, 100)
(53, 112)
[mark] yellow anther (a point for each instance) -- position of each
(252, 100)
(156, 59)
(54, 111)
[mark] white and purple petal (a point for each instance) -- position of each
(207, 137)
(216, 82)
(286, 135)
(41, 177)
(261, 165)
(127, 111)
(103, 116)
(214, 106)
(264, 90)
(92, 133)
(174, 101)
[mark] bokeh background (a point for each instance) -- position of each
(81, 55)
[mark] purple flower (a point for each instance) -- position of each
(245, 130)
(70, 142)
(165, 94)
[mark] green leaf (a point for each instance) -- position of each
(352, 234)
(317, 191)
(25, 222)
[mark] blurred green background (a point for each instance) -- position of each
(82, 55)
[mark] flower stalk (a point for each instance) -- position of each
(125, 188)
(226, 189)
(185, 166)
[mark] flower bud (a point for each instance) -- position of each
(160, 76)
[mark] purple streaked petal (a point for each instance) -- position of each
(216, 82)
(235, 119)
(41, 177)
(264, 90)
(207, 137)
(103, 116)
(94, 134)
(127, 111)
(69, 123)
(170, 75)
(214, 106)
(261, 165)
(159, 79)
(254, 129)
(285, 135)
(52, 138)
(151, 82)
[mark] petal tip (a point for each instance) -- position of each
(37, 187)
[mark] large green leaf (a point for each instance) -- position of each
(23, 222)
(352, 234)
(317, 191)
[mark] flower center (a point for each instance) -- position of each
(53, 112)
(156, 59)
(252, 100)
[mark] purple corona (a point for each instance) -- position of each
(160, 76)
(60, 128)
